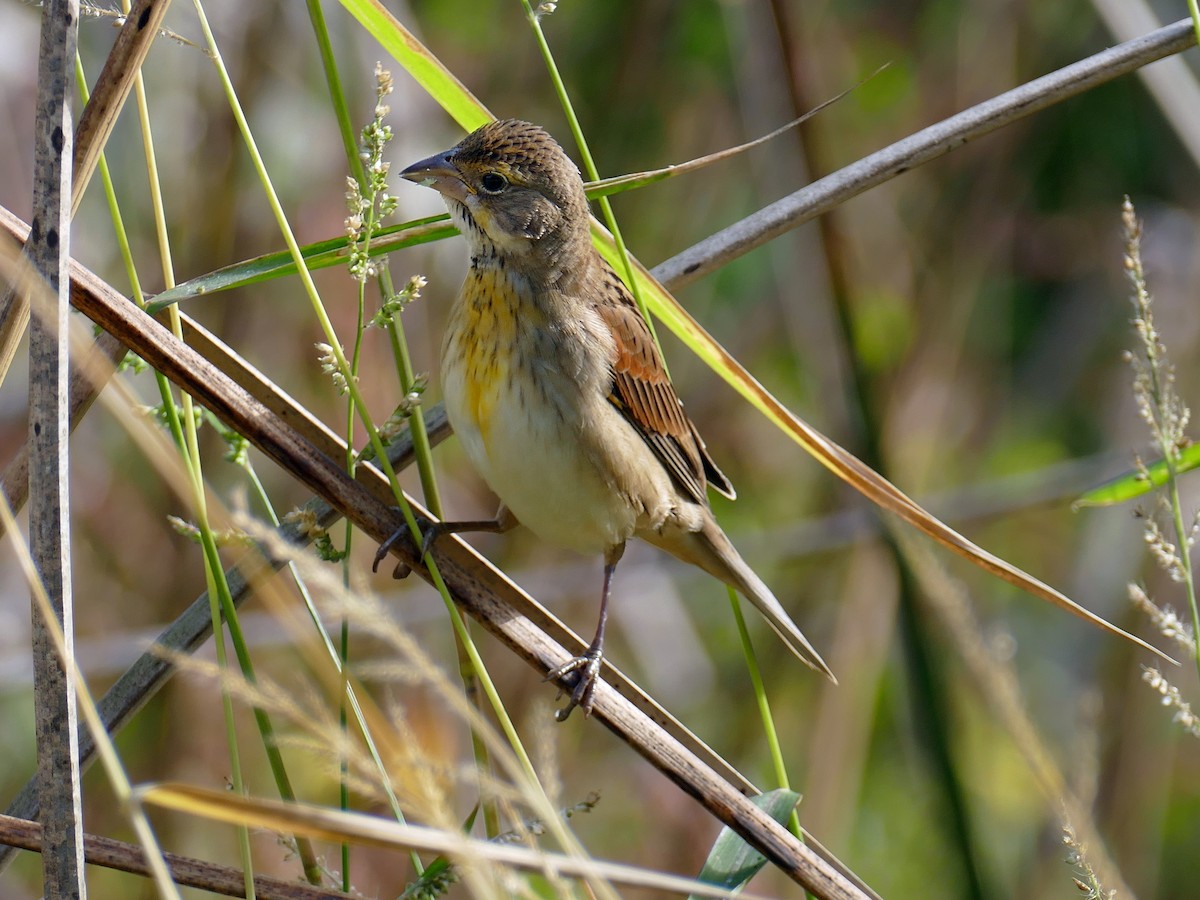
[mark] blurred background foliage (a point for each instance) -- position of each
(961, 327)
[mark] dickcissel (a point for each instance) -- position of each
(556, 389)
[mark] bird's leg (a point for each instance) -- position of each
(503, 521)
(587, 666)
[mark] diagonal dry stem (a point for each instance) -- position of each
(482, 591)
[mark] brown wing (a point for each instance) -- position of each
(645, 395)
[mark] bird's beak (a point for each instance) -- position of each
(439, 173)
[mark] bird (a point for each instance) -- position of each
(556, 388)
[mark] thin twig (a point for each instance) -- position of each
(95, 125)
(112, 88)
(928, 144)
(185, 870)
(1172, 84)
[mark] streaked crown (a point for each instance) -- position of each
(512, 189)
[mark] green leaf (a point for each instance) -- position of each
(439, 874)
(320, 255)
(425, 68)
(732, 862)
(1134, 483)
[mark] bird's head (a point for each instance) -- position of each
(511, 190)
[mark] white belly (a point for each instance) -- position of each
(534, 460)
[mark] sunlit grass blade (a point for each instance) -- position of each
(324, 823)
(320, 255)
(1135, 483)
(425, 68)
(841, 462)
(732, 862)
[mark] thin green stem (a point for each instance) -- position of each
(1185, 556)
(764, 711)
(1163, 409)
(422, 448)
(489, 688)
(118, 777)
(337, 94)
(764, 706)
(344, 762)
(589, 165)
(406, 374)
(334, 654)
(344, 628)
(183, 429)
(343, 366)
(189, 451)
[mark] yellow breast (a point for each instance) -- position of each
(482, 344)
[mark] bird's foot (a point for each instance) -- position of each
(583, 672)
(430, 531)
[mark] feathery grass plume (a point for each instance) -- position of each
(1166, 620)
(226, 537)
(396, 422)
(237, 446)
(429, 785)
(329, 365)
(313, 731)
(132, 363)
(420, 780)
(1089, 884)
(161, 414)
(1184, 717)
(306, 521)
(370, 202)
(1168, 539)
(434, 881)
(410, 293)
(1154, 376)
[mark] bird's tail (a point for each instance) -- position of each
(712, 551)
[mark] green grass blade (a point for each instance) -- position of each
(320, 255)
(425, 68)
(1135, 483)
(732, 862)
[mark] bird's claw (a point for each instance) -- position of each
(430, 533)
(586, 671)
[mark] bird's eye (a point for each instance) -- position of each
(493, 182)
